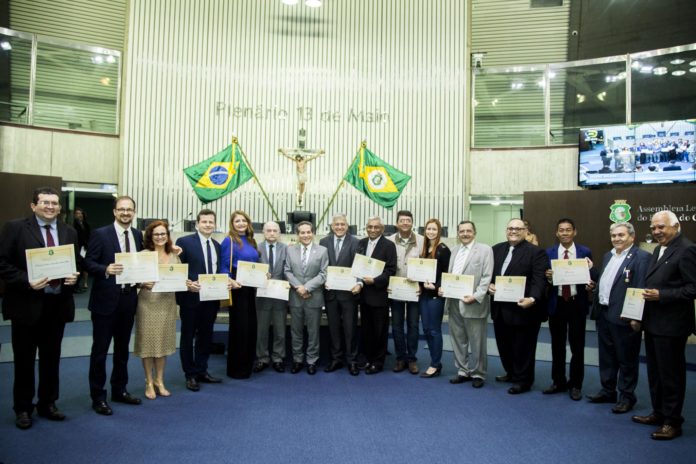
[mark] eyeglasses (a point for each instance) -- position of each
(516, 229)
(164, 234)
(125, 210)
(48, 203)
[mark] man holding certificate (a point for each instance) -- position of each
(38, 308)
(342, 305)
(568, 307)
(305, 269)
(519, 275)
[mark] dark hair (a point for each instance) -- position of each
(44, 191)
(248, 233)
(404, 212)
(467, 222)
(205, 212)
(565, 221)
(123, 197)
(304, 223)
(426, 240)
(149, 244)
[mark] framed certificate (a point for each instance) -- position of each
(403, 289)
(633, 304)
(366, 267)
(570, 271)
(339, 278)
(251, 274)
(509, 288)
(457, 286)
(421, 269)
(172, 278)
(276, 289)
(51, 262)
(138, 267)
(213, 287)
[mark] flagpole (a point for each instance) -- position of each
(258, 182)
(363, 144)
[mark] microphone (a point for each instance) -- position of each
(182, 220)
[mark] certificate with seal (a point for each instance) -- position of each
(138, 267)
(172, 278)
(366, 267)
(633, 304)
(339, 278)
(250, 274)
(509, 288)
(421, 269)
(213, 287)
(276, 289)
(53, 262)
(570, 271)
(456, 285)
(403, 289)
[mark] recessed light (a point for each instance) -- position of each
(693, 70)
(290, 2)
(659, 71)
(677, 61)
(5, 45)
(313, 3)
(679, 72)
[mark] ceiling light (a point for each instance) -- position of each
(659, 71)
(581, 98)
(5, 45)
(110, 59)
(105, 81)
(677, 61)
(693, 70)
(679, 72)
(97, 59)
(494, 102)
(516, 85)
(646, 69)
(552, 74)
(290, 2)
(313, 3)
(601, 95)
(541, 83)
(636, 65)
(621, 75)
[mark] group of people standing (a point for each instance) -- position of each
(39, 309)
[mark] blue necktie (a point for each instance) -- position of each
(210, 256)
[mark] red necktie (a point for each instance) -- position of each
(50, 243)
(565, 289)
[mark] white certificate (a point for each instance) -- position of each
(213, 287)
(633, 304)
(172, 278)
(366, 267)
(276, 289)
(570, 271)
(51, 262)
(339, 278)
(457, 286)
(403, 289)
(509, 288)
(138, 267)
(251, 274)
(421, 269)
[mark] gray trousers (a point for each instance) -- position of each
(312, 318)
(469, 334)
(270, 311)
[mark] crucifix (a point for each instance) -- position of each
(300, 156)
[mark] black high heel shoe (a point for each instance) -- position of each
(437, 372)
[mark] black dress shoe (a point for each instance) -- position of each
(601, 398)
(517, 389)
(192, 384)
(102, 407)
(373, 369)
(258, 367)
(334, 366)
(477, 383)
(554, 389)
(279, 367)
(207, 378)
(666, 432)
(460, 379)
(50, 412)
(23, 420)
(353, 369)
(125, 398)
(311, 369)
(575, 394)
(621, 407)
(650, 419)
(503, 378)
(296, 367)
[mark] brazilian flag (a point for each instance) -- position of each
(219, 175)
(377, 179)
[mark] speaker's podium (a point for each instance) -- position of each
(296, 217)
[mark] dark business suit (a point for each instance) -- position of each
(197, 317)
(38, 318)
(113, 311)
(374, 302)
(270, 310)
(567, 319)
(341, 305)
(667, 324)
(618, 343)
(516, 328)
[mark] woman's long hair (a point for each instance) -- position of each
(149, 244)
(249, 233)
(427, 242)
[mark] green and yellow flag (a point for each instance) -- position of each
(380, 181)
(219, 175)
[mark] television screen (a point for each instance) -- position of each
(658, 152)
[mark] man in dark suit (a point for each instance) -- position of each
(112, 305)
(668, 320)
(567, 307)
(271, 310)
(374, 300)
(38, 309)
(618, 345)
(202, 254)
(517, 324)
(342, 305)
